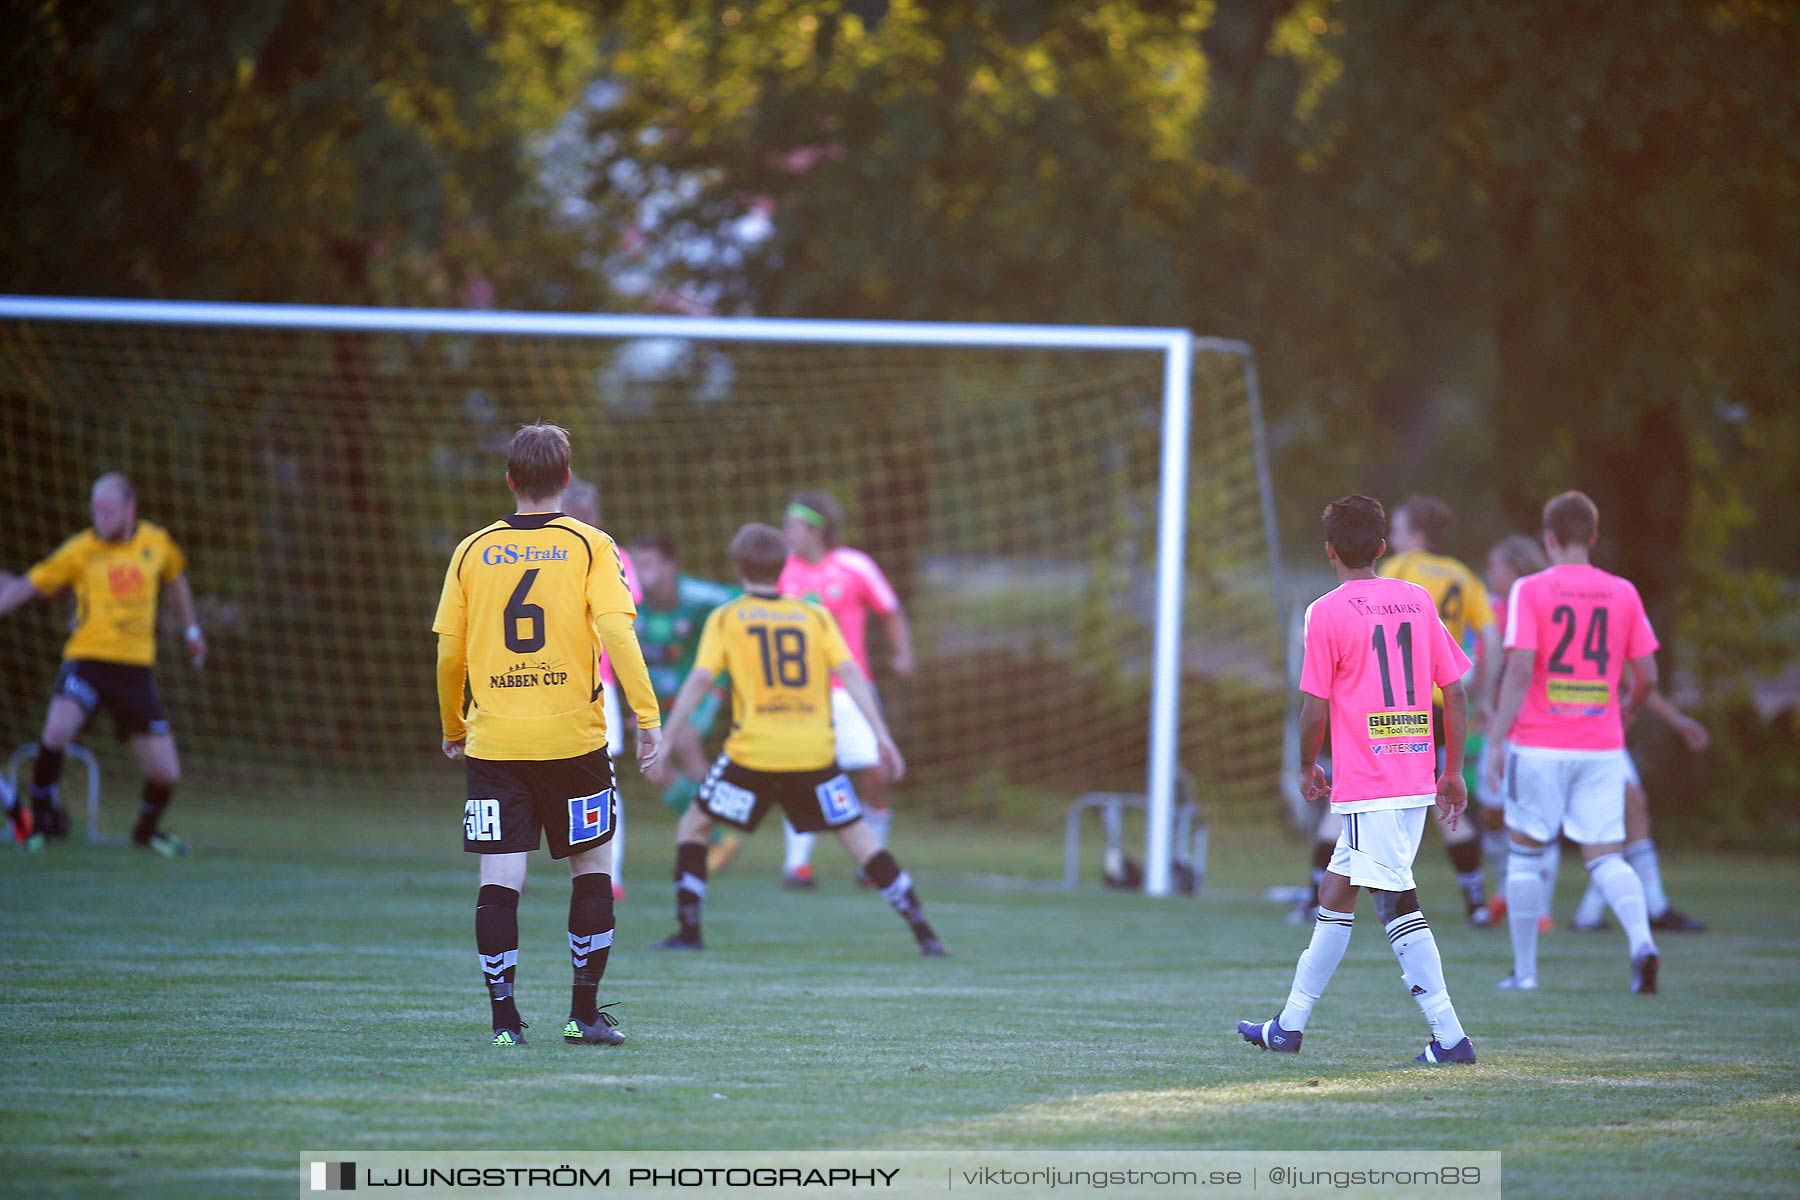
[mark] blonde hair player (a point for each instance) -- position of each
(1512, 558)
(581, 500)
(117, 569)
(783, 655)
(850, 585)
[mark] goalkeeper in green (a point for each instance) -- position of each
(670, 617)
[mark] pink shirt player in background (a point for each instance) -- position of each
(1571, 631)
(850, 585)
(581, 500)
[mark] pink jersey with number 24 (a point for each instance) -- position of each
(1584, 624)
(1374, 648)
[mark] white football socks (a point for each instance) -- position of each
(1423, 970)
(618, 842)
(1624, 893)
(1641, 855)
(1331, 937)
(1552, 865)
(798, 846)
(1592, 909)
(1525, 894)
(1495, 845)
(1643, 859)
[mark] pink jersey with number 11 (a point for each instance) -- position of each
(1584, 624)
(1374, 648)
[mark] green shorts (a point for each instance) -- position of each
(1473, 746)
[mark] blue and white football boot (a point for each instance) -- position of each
(1436, 1055)
(1271, 1036)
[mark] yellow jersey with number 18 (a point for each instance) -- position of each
(780, 654)
(524, 594)
(116, 586)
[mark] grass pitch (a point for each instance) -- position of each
(307, 981)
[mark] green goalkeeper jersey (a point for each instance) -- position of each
(670, 636)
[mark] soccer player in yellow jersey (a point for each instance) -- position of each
(117, 569)
(781, 654)
(1420, 530)
(528, 603)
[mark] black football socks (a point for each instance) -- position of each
(690, 888)
(590, 942)
(45, 773)
(497, 941)
(896, 888)
(150, 810)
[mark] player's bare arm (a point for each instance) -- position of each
(1513, 684)
(1452, 792)
(183, 594)
(1315, 720)
(687, 700)
(1692, 733)
(899, 632)
(452, 668)
(857, 684)
(1487, 676)
(1643, 685)
(15, 591)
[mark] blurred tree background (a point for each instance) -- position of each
(1487, 249)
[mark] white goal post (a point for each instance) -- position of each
(1176, 347)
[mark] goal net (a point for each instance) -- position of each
(318, 479)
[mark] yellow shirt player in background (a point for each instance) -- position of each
(117, 570)
(1420, 530)
(528, 603)
(781, 654)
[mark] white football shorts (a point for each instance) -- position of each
(1376, 849)
(615, 721)
(1576, 792)
(856, 748)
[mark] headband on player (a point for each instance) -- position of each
(811, 516)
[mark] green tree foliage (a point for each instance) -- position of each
(1618, 184)
(1586, 213)
(283, 149)
(1529, 244)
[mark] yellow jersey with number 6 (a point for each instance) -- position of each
(524, 594)
(116, 585)
(780, 654)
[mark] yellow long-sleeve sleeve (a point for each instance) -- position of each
(452, 670)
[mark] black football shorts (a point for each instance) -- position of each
(813, 801)
(126, 691)
(572, 801)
